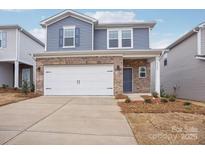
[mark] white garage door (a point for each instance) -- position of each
(78, 80)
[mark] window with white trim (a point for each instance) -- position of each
(0, 39)
(126, 38)
(113, 39)
(119, 38)
(142, 72)
(69, 37)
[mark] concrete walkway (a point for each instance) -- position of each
(64, 120)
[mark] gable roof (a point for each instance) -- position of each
(65, 14)
(186, 35)
(23, 31)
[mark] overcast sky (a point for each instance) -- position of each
(171, 24)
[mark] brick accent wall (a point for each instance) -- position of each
(140, 85)
(116, 60)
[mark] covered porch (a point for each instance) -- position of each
(141, 75)
(13, 73)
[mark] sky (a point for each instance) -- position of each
(171, 24)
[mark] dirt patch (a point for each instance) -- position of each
(167, 128)
(166, 123)
(14, 96)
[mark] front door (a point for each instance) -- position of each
(127, 79)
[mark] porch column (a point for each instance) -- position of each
(157, 75)
(16, 74)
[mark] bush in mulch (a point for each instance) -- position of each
(127, 100)
(155, 94)
(164, 100)
(121, 96)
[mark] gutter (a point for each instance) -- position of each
(124, 53)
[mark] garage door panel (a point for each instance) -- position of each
(78, 80)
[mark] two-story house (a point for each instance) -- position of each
(85, 57)
(183, 66)
(16, 49)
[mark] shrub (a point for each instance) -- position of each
(164, 100)
(32, 87)
(167, 96)
(127, 100)
(25, 87)
(187, 103)
(162, 93)
(121, 96)
(148, 100)
(5, 86)
(172, 98)
(155, 94)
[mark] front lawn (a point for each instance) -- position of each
(159, 122)
(9, 95)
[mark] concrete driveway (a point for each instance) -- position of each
(64, 120)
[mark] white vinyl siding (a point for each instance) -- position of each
(142, 72)
(120, 38)
(69, 37)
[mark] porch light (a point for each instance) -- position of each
(39, 69)
(118, 68)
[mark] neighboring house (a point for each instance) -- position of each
(16, 49)
(85, 57)
(183, 66)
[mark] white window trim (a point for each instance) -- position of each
(68, 27)
(1, 39)
(140, 71)
(119, 38)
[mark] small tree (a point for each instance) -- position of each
(25, 87)
(32, 87)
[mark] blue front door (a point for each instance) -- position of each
(127, 79)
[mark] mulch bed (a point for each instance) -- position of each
(11, 95)
(178, 106)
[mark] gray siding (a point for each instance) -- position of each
(100, 39)
(85, 34)
(140, 39)
(203, 41)
(9, 53)
(184, 71)
(6, 74)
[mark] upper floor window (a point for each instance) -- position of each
(69, 37)
(126, 38)
(113, 39)
(165, 59)
(0, 39)
(142, 72)
(119, 38)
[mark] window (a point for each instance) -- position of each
(142, 72)
(68, 37)
(113, 39)
(119, 38)
(165, 62)
(126, 38)
(0, 39)
(165, 59)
